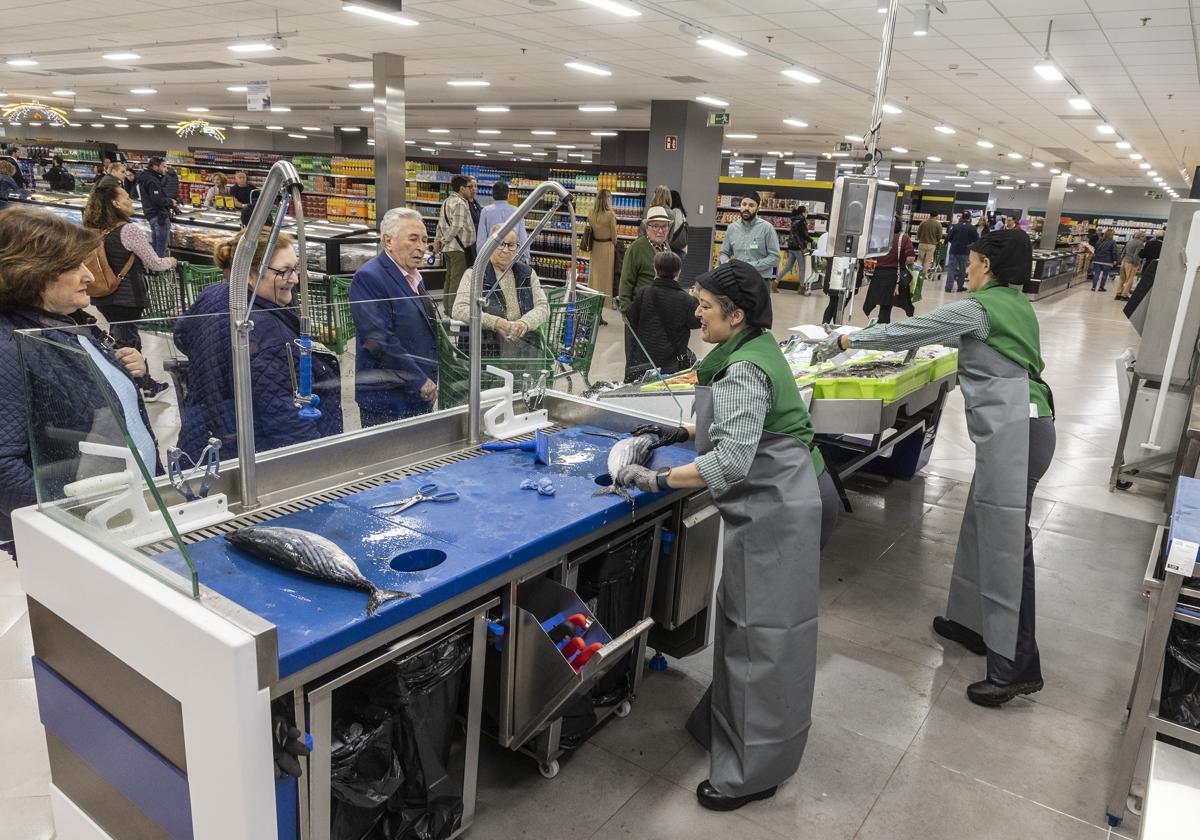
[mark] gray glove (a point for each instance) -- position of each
(635, 475)
(827, 349)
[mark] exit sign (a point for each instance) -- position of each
(718, 118)
(962, 173)
(845, 147)
(918, 164)
(1155, 194)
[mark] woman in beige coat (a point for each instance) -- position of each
(603, 222)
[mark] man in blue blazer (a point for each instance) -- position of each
(396, 363)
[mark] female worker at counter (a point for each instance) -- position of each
(754, 436)
(1010, 418)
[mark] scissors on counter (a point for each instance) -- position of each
(425, 493)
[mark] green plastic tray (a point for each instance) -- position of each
(888, 389)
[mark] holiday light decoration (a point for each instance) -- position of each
(35, 112)
(202, 127)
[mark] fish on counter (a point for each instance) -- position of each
(631, 450)
(310, 554)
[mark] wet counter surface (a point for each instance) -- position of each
(493, 528)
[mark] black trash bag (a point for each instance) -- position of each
(1181, 678)
(366, 771)
(425, 690)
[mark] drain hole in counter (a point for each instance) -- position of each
(604, 480)
(418, 560)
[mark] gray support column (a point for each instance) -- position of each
(693, 167)
(753, 168)
(826, 170)
(389, 132)
(1054, 208)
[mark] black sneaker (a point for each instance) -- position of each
(151, 389)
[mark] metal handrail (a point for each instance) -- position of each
(281, 180)
(485, 252)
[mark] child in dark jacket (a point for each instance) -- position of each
(662, 317)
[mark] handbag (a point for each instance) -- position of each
(588, 240)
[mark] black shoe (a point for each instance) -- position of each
(151, 389)
(714, 801)
(956, 632)
(988, 693)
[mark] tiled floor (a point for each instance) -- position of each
(896, 751)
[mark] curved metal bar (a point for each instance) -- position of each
(481, 260)
(281, 177)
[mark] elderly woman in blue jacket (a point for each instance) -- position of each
(67, 381)
(202, 335)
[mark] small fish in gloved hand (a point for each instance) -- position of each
(632, 450)
(310, 554)
(643, 478)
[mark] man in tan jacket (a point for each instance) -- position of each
(929, 234)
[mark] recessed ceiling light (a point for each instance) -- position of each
(1035, 184)
(361, 85)
(348, 128)
(143, 91)
(1152, 174)
(280, 109)
(542, 154)
(576, 155)
(1020, 180)
(711, 100)
(522, 146)
(1015, 155)
(1037, 164)
(1048, 71)
(944, 129)
(985, 172)
(111, 117)
(441, 142)
(135, 110)
(252, 47)
(1105, 128)
(439, 131)
(564, 146)
(795, 123)
(274, 128)
(527, 160)
(237, 88)
(198, 109)
(800, 75)
(1123, 145)
(244, 127)
(584, 67)
(481, 144)
(504, 152)
(299, 136)
(21, 62)
(94, 125)
(1108, 192)
(121, 56)
(378, 15)
(309, 128)
(614, 7)
(900, 150)
(428, 149)
(854, 138)
(1080, 180)
(962, 186)
(468, 83)
(63, 92)
(146, 125)
(81, 110)
(985, 144)
(543, 132)
(370, 142)
(488, 131)
(1135, 156)
(604, 134)
(1055, 171)
(410, 142)
(1091, 183)
(38, 124)
(934, 159)
(889, 108)
(1143, 166)
(961, 166)
(597, 108)
(492, 109)
(1080, 104)
(741, 136)
(370, 109)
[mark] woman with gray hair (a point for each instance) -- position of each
(514, 304)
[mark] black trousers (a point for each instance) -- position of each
(1027, 666)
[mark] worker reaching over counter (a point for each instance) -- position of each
(778, 503)
(1010, 418)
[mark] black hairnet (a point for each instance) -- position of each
(1010, 253)
(740, 282)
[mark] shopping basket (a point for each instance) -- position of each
(195, 278)
(329, 298)
(164, 296)
(454, 359)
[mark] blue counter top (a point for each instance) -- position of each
(492, 529)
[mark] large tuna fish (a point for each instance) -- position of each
(630, 450)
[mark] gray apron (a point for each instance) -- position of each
(985, 589)
(754, 718)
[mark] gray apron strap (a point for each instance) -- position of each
(985, 589)
(756, 715)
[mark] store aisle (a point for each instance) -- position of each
(896, 751)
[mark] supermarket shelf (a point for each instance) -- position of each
(306, 192)
(249, 169)
(558, 254)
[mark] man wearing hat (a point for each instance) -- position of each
(1010, 419)
(752, 240)
(637, 272)
(778, 504)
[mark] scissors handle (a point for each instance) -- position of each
(445, 496)
(427, 489)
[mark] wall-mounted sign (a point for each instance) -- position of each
(845, 147)
(962, 173)
(671, 142)
(258, 96)
(718, 118)
(918, 163)
(1154, 194)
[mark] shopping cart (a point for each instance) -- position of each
(454, 363)
(589, 309)
(195, 278)
(164, 295)
(332, 324)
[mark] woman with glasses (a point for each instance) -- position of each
(53, 396)
(202, 335)
(514, 304)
